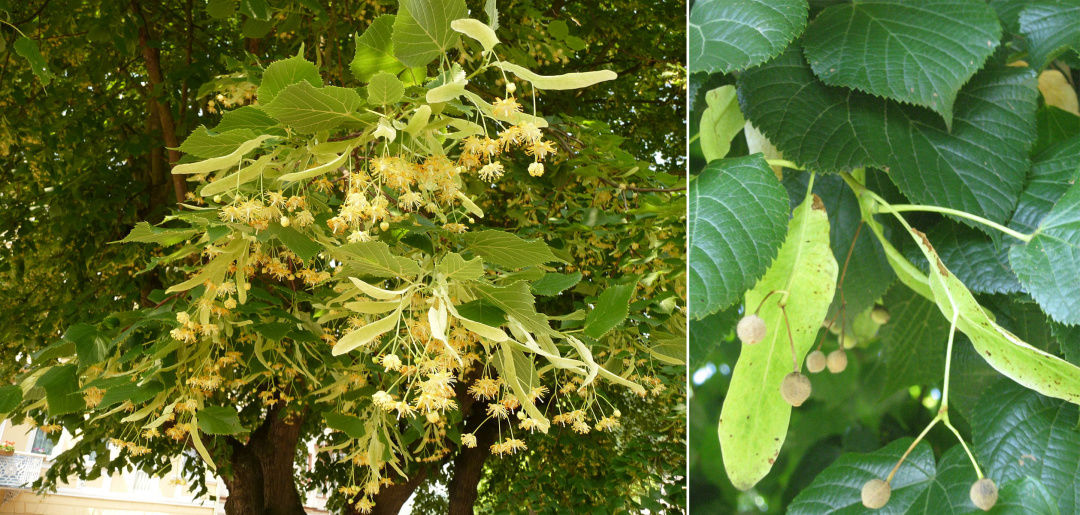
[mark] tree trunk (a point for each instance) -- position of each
(262, 479)
(245, 483)
(391, 498)
(276, 450)
(468, 467)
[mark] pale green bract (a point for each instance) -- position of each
(477, 30)
(557, 82)
(720, 122)
(754, 419)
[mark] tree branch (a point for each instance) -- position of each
(152, 59)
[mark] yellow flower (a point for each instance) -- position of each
(536, 169)
(491, 171)
(505, 108)
(468, 440)
(391, 362)
(497, 411)
(410, 200)
(484, 388)
(540, 149)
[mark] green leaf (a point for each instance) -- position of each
(913, 340)
(484, 312)
(201, 143)
(375, 50)
(730, 35)
(28, 49)
(348, 424)
(221, 9)
(1024, 496)
(738, 218)
(515, 300)
(558, 29)
(375, 259)
(146, 233)
(422, 29)
(255, 29)
(129, 391)
(708, 334)
(299, 243)
(720, 122)
(508, 250)
(1055, 125)
(455, 267)
(61, 385)
(554, 283)
(611, 309)
(284, 73)
(1068, 338)
(89, 348)
(1008, 11)
(219, 420)
(1049, 265)
(832, 129)
(10, 397)
(918, 53)
(257, 9)
(1018, 433)
(754, 418)
(919, 486)
(247, 117)
(1050, 28)
(1052, 172)
(384, 89)
(308, 109)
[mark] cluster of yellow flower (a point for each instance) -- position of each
(479, 152)
(508, 446)
(258, 213)
(92, 396)
(132, 447)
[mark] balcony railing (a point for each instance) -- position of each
(17, 472)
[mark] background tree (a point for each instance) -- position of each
(117, 83)
(915, 226)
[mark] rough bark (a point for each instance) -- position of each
(391, 498)
(245, 482)
(261, 476)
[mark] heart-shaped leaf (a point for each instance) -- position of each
(979, 166)
(1050, 27)
(737, 221)
(1049, 264)
(730, 35)
(912, 52)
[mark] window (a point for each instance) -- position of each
(43, 443)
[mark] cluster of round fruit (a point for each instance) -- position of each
(795, 388)
(876, 493)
